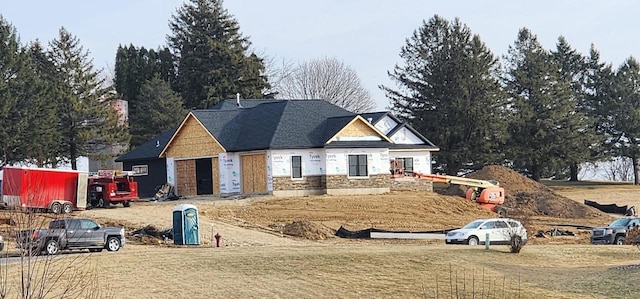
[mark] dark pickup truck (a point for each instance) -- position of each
(71, 233)
(615, 233)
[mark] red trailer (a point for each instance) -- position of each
(58, 191)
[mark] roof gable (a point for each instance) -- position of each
(404, 136)
(358, 129)
(414, 134)
(192, 139)
(374, 117)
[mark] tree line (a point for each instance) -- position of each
(541, 112)
(54, 107)
(207, 60)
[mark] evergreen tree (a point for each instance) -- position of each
(449, 91)
(581, 136)
(599, 90)
(212, 57)
(163, 110)
(14, 76)
(622, 111)
(544, 116)
(42, 117)
(133, 68)
(88, 121)
(28, 131)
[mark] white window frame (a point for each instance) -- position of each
(140, 169)
(292, 172)
(349, 166)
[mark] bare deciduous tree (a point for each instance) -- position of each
(619, 169)
(278, 71)
(327, 79)
(28, 273)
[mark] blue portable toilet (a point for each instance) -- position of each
(185, 225)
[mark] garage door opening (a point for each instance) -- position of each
(204, 176)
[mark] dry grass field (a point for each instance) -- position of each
(257, 260)
(370, 269)
(602, 192)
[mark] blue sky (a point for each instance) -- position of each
(365, 34)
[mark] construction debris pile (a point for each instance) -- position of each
(150, 235)
(164, 193)
(554, 232)
(526, 197)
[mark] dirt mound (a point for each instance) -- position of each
(527, 197)
(308, 230)
(510, 180)
(128, 226)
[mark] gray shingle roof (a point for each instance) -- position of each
(272, 124)
(244, 103)
(264, 124)
(150, 149)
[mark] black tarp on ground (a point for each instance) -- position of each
(366, 233)
(608, 208)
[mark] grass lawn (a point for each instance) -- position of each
(363, 269)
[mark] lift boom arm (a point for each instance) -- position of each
(456, 180)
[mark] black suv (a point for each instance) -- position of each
(615, 232)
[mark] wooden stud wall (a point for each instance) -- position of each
(193, 140)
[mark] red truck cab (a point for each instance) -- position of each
(112, 187)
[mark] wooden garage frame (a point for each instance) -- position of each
(190, 142)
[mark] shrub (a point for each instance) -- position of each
(515, 243)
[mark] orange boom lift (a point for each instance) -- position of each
(488, 194)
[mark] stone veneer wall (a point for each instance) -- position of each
(333, 184)
(411, 184)
(341, 184)
(306, 183)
